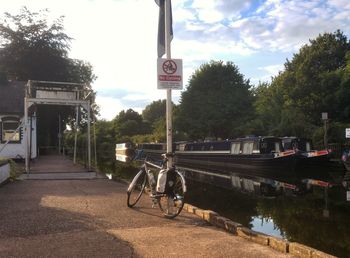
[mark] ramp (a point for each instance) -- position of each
(58, 167)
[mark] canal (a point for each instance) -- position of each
(310, 210)
(318, 217)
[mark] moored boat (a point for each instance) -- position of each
(259, 156)
(316, 164)
(307, 155)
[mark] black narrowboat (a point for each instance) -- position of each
(315, 164)
(308, 157)
(258, 156)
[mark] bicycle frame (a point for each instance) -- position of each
(167, 191)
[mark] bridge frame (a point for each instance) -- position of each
(67, 94)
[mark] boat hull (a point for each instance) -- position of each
(255, 164)
(319, 167)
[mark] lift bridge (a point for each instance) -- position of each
(60, 94)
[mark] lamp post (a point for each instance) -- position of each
(325, 128)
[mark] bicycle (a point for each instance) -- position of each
(168, 192)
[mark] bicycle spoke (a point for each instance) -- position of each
(136, 188)
(173, 200)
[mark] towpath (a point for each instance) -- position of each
(89, 218)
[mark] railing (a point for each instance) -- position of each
(337, 148)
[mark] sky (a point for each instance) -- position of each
(119, 39)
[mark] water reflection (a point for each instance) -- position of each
(267, 226)
(305, 210)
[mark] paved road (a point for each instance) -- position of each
(89, 218)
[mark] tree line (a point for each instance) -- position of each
(218, 103)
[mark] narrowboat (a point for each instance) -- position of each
(257, 156)
(314, 164)
(304, 148)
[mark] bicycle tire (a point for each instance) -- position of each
(136, 188)
(173, 199)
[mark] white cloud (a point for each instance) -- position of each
(109, 107)
(272, 69)
(119, 38)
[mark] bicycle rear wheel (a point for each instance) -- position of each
(136, 188)
(173, 199)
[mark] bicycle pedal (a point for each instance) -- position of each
(154, 203)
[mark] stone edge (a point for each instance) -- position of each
(239, 230)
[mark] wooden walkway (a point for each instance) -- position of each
(57, 167)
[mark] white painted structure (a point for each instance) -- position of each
(12, 140)
(4, 172)
(18, 122)
(60, 94)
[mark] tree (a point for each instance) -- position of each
(217, 102)
(31, 48)
(314, 81)
(154, 111)
(129, 123)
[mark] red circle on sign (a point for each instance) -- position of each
(169, 67)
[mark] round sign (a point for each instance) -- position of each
(169, 67)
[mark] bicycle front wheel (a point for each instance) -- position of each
(173, 199)
(136, 188)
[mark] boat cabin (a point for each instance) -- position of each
(295, 143)
(256, 145)
(247, 145)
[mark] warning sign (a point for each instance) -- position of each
(347, 133)
(169, 74)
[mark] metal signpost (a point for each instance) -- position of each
(325, 126)
(169, 72)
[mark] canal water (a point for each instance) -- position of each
(310, 210)
(317, 216)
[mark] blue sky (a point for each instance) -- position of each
(118, 37)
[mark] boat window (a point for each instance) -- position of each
(277, 147)
(256, 148)
(308, 146)
(248, 147)
(182, 147)
(10, 130)
(235, 148)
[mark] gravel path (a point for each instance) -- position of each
(89, 218)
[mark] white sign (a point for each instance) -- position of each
(347, 132)
(348, 195)
(324, 116)
(169, 73)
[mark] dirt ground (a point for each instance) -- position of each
(89, 218)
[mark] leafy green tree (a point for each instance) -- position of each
(129, 123)
(217, 102)
(154, 111)
(155, 115)
(311, 80)
(32, 48)
(316, 80)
